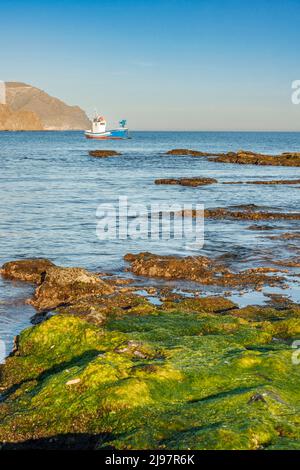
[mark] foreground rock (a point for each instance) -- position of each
(187, 181)
(199, 269)
(67, 285)
(30, 270)
(103, 153)
(245, 157)
(224, 380)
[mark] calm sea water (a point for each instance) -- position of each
(50, 190)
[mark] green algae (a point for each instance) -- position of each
(186, 376)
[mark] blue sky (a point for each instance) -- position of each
(163, 64)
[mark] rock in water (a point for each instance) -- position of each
(67, 285)
(30, 270)
(50, 113)
(103, 153)
(244, 157)
(195, 181)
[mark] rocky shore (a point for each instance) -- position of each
(106, 368)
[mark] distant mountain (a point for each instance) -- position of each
(18, 120)
(46, 112)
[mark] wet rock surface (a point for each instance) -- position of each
(67, 285)
(187, 181)
(260, 227)
(194, 153)
(244, 157)
(30, 270)
(103, 153)
(97, 309)
(279, 182)
(199, 269)
(105, 357)
(242, 213)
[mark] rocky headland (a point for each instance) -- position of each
(29, 108)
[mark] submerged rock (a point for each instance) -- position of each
(103, 153)
(199, 269)
(30, 270)
(67, 285)
(196, 181)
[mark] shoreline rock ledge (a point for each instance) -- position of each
(56, 285)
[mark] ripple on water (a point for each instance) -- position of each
(52, 188)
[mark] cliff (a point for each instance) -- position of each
(46, 112)
(18, 120)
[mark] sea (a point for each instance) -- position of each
(53, 197)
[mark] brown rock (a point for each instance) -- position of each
(243, 214)
(18, 120)
(214, 304)
(198, 269)
(30, 270)
(265, 182)
(67, 285)
(194, 153)
(244, 157)
(261, 227)
(196, 181)
(97, 309)
(103, 153)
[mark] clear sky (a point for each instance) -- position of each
(162, 64)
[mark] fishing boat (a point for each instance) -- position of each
(99, 131)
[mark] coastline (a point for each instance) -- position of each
(163, 350)
(96, 360)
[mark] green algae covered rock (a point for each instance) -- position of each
(171, 379)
